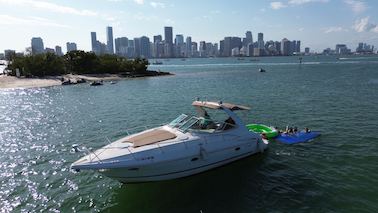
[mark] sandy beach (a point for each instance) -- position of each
(14, 82)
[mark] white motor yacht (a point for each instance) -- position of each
(186, 146)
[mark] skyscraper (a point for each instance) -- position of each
(158, 38)
(260, 41)
(71, 46)
(37, 45)
(121, 46)
(168, 35)
(145, 47)
(188, 46)
(179, 39)
(58, 50)
(109, 40)
(94, 42)
(168, 39)
(248, 38)
(298, 47)
(137, 50)
(285, 46)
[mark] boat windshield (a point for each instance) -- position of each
(186, 123)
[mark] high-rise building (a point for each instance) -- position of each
(285, 46)
(307, 50)
(179, 40)
(145, 47)
(293, 47)
(168, 39)
(137, 50)
(131, 49)
(248, 39)
(95, 47)
(260, 40)
(71, 46)
(158, 38)
(37, 45)
(168, 35)
(188, 46)
(121, 46)
(58, 50)
(202, 49)
(298, 47)
(109, 40)
(49, 50)
(341, 49)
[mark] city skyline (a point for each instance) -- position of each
(57, 22)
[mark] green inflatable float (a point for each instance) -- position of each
(269, 132)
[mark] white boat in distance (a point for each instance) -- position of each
(186, 146)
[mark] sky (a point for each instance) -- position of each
(317, 23)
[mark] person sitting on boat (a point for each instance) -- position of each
(206, 122)
(295, 129)
(307, 130)
(229, 123)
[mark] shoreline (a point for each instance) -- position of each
(12, 82)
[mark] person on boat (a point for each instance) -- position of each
(307, 130)
(295, 130)
(229, 123)
(206, 122)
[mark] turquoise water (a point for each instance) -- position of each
(336, 172)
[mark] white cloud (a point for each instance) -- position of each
(334, 29)
(364, 25)
(49, 7)
(29, 21)
(356, 6)
(169, 21)
(299, 2)
(157, 4)
(139, 1)
(276, 5)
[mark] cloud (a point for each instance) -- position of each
(364, 25)
(276, 5)
(139, 1)
(169, 21)
(356, 6)
(334, 29)
(299, 2)
(29, 21)
(49, 7)
(157, 4)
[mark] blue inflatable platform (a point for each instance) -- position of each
(298, 137)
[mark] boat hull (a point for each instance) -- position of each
(184, 167)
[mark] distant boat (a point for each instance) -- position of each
(262, 70)
(113, 82)
(96, 83)
(157, 63)
(183, 59)
(240, 59)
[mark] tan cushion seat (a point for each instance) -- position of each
(151, 137)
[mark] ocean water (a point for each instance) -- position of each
(337, 172)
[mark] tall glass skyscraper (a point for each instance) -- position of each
(109, 40)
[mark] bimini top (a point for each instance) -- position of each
(218, 105)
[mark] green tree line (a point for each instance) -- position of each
(75, 62)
